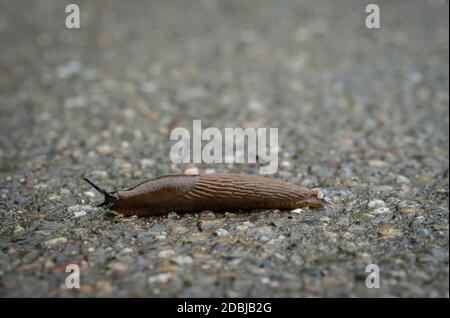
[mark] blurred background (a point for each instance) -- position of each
(362, 113)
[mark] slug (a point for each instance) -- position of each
(217, 192)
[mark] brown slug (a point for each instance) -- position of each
(217, 192)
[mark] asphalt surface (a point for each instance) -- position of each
(362, 115)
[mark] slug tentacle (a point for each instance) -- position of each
(219, 192)
(109, 198)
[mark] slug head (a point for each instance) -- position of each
(110, 198)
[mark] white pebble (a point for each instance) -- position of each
(192, 171)
(68, 69)
(147, 163)
(285, 164)
(166, 253)
(79, 213)
(89, 194)
(99, 173)
(320, 194)
(162, 236)
(55, 241)
(183, 259)
(127, 250)
(381, 210)
(376, 203)
(403, 180)
(80, 209)
(221, 232)
(160, 278)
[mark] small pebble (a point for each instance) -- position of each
(403, 180)
(182, 259)
(221, 232)
(18, 229)
(166, 253)
(89, 194)
(192, 171)
(374, 204)
(172, 215)
(55, 241)
(160, 278)
(381, 210)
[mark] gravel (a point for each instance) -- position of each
(362, 115)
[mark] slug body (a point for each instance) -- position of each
(217, 192)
